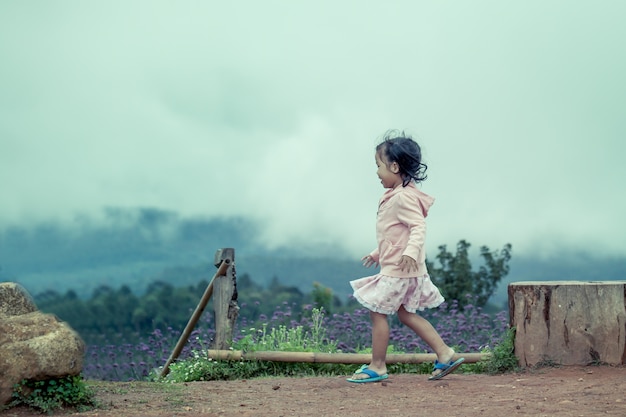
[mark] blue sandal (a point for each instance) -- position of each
(446, 368)
(373, 376)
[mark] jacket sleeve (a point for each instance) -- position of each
(410, 214)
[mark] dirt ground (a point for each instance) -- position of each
(564, 391)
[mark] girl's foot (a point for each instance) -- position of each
(360, 375)
(444, 359)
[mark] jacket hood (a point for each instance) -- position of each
(425, 201)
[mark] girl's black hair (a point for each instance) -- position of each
(402, 149)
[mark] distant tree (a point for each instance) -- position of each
(71, 295)
(322, 297)
(47, 297)
(68, 308)
(101, 291)
(245, 282)
(456, 280)
(117, 314)
(274, 284)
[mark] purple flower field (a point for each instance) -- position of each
(469, 330)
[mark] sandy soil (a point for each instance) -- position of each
(565, 391)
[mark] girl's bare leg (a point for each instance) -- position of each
(427, 332)
(380, 341)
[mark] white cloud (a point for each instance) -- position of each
(272, 111)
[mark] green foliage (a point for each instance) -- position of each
(296, 339)
(322, 296)
(456, 280)
(113, 313)
(53, 394)
(502, 358)
(202, 368)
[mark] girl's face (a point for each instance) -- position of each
(389, 174)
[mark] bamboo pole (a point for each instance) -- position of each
(194, 318)
(348, 358)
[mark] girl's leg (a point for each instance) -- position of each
(380, 341)
(427, 332)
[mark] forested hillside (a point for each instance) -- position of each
(135, 248)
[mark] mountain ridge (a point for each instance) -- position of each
(138, 247)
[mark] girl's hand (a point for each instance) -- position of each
(407, 263)
(368, 261)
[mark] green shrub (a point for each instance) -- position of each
(53, 394)
(503, 357)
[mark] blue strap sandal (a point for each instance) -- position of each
(446, 368)
(373, 376)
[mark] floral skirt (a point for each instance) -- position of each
(385, 295)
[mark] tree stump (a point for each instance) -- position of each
(569, 322)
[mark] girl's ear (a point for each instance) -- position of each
(395, 168)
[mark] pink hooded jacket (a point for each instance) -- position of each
(401, 230)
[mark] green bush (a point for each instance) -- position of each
(503, 357)
(53, 394)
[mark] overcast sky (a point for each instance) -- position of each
(271, 110)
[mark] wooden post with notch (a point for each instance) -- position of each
(222, 267)
(225, 300)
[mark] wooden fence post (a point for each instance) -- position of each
(225, 300)
(182, 340)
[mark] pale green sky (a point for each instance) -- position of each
(272, 109)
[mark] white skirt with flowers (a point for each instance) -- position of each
(384, 294)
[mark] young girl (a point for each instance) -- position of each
(403, 285)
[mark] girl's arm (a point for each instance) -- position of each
(371, 259)
(410, 214)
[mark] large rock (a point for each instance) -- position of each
(14, 300)
(569, 322)
(33, 345)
